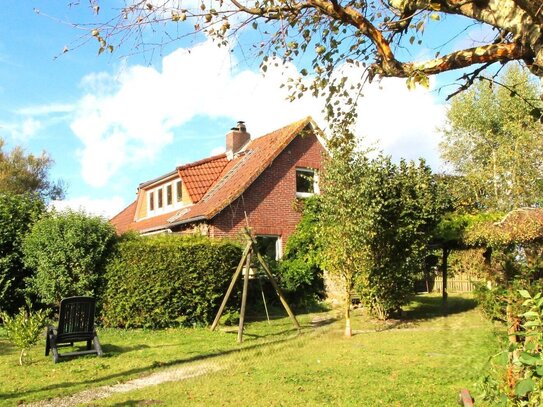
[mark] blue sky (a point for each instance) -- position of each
(111, 122)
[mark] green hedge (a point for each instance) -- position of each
(155, 282)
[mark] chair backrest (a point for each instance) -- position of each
(76, 315)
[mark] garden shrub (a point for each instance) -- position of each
(161, 281)
(17, 215)
(516, 376)
(24, 329)
(299, 273)
(68, 251)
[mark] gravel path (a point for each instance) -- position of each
(169, 375)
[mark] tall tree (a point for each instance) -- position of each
(375, 224)
(494, 140)
(367, 33)
(22, 173)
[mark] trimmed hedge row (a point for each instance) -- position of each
(156, 282)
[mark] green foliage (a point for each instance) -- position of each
(23, 329)
(68, 251)
(521, 379)
(493, 301)
(163, 281)
(464, 228)
(27, 174)
(17, 215)
(376, 223)
(299, 272)
(493, 140)
(512, 269)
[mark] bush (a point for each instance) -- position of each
(516, 376)
(17, 215)
(23, 330)
(299, 274)
(161, 281)
(493, 301)
(68, 251)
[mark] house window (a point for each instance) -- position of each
(152, 200)
(169, 195)
(179, 191)
(306, 182)
(160, 198)
(269, 246)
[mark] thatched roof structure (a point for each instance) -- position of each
(520, 226)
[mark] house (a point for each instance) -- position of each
(256, 182)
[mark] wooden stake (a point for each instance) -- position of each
(244, 298)
(231, 287)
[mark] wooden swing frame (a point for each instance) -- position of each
(249, 251)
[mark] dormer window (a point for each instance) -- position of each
(306, 182)
(165, 198)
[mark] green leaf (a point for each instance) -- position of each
(524, 387)
(529, 359)
(524, 294)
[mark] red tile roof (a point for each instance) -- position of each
(200, 175)
(215, 182)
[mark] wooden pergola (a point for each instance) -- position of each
(518, 227)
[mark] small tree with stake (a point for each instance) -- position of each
(24, 329)
(375, 226)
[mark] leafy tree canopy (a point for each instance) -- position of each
(493, 141)
(22, 173)
(369, 34)
(67, 251)
(377, 219)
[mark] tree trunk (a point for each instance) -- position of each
(21, 357)
(348, 329)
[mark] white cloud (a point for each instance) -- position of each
(106, 208)
(135, 120)
(403, 123)
(217, 151)
(130, 116)
(22, 130)
(48, 109)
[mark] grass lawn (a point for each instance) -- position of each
(422, 360)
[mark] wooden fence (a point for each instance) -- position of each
(459, 284)
(455, 285)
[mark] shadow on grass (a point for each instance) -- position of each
(427, 307)
(137, 403)
(6, 347)
(132, 373)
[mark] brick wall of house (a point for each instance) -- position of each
(270, 201)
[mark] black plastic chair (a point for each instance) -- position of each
(76, 324)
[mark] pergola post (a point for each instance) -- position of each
(444, 260)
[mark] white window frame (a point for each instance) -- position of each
(315, 174)
(165, 207)
(278, 245)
